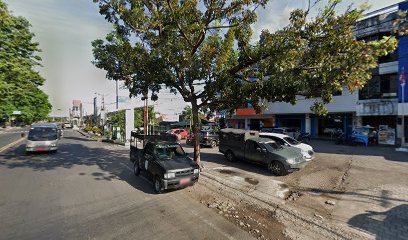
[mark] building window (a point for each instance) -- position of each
(380, 87)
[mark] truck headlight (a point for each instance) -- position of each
(291, 161)
(53, 145)
(196, 171)
(169, 175)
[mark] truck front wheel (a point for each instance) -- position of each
(157, 185)
(277, 168)
(229, 156)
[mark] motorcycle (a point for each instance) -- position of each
(340, 137)
(303, 137)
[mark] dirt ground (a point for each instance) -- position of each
(259, 222)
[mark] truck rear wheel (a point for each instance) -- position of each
(277, 168)
(213, 144)
(136, 168)
(229, 156)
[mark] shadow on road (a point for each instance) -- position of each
(81, 139)
(113, 164)
(391, 224)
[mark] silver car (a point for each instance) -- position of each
(43, 138)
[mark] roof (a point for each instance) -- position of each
(162, 142)
(235, 130)
(384, 10)
(45, 125)
(181, 124)
(279, 135)
(261, 139)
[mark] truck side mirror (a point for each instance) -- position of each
(23, 134)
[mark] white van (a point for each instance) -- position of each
(43, 138)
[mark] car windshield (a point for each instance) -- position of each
(168, 152)
(42, 134)
(272, 146)
(291, 141)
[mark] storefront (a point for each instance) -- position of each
(376, 121)
(325, 127)
(291, 121)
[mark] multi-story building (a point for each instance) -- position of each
(378, 103)
(76, 113)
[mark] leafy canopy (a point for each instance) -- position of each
(203, 50)
(19, 81)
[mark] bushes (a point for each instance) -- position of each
(94, 130)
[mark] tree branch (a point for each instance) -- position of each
(178, 25)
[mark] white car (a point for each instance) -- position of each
(285, 140)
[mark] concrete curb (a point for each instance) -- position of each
(11, 144)
(286, 213)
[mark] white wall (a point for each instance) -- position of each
(344, 103)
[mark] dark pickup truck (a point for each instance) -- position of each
(248, 146)
(164, 160)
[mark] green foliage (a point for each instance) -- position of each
(118, 118)
(19, 81)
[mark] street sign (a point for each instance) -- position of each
(16, 112)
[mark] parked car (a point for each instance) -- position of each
(164, 160)
(178, 131)
(43, 138)
(209, 138)
(303, 137)
(285, 140)
(248, 146)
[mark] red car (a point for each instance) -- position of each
(178, 131)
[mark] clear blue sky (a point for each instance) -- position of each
(66, 28)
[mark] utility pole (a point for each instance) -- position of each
(117, 96)
(145, 116)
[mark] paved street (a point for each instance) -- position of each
(10, 135)
(88, 191)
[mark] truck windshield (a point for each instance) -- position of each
(42, 134)
(272, 146)
(291, 141)
(169, 152)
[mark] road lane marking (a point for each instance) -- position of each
(11, 144)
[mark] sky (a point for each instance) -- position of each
(66, 28)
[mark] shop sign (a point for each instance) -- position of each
(377, 107)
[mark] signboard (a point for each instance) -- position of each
(377, 107)
(386, 135)
(16, 112)
(169, 117)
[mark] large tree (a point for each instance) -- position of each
(19, 81)
(203, 50)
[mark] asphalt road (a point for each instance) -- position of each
(88, 191)
(10, 135)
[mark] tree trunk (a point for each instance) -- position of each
(196, 131)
